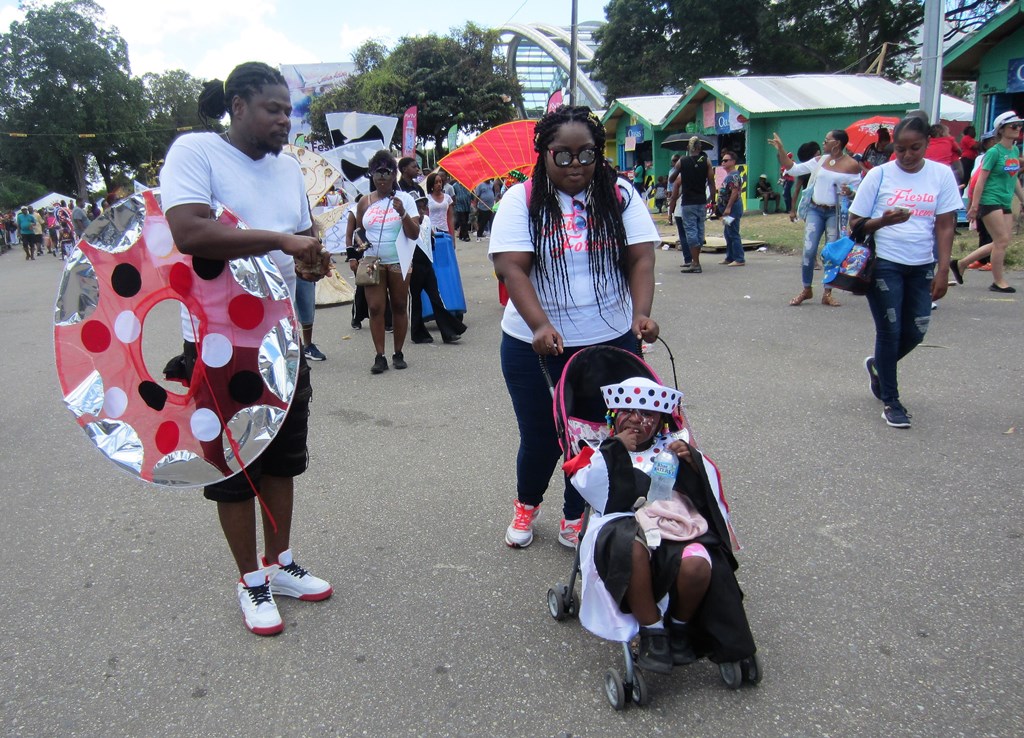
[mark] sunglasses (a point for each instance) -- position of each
(563, 159)
(382, 172)
(645, 417)
(579, 215)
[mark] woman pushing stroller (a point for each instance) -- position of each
(663, 569)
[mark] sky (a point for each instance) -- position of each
(207, 38)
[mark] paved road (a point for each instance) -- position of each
(882, 568)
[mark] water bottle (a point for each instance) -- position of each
(663, 476)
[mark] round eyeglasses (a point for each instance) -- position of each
(563, 159)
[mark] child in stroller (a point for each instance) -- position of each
(680, 592)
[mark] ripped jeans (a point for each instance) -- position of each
(901, 304)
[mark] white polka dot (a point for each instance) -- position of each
(127, 327)
(217, 350)
(204, 424)
(158, 236)
(115, 401)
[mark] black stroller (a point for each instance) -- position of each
(719, 627)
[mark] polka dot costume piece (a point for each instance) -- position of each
(642, 394)
(246, 338)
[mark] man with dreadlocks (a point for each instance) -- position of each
(574, 246)
(241, 170)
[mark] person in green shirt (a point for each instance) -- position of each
(993, 195)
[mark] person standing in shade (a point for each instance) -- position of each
(484, 193)
(241, 169)
(79, 218)
(463, 206)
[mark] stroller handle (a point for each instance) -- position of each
(551, 384)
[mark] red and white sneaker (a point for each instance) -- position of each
(569, 532)
(520, 533)
(290, 580)
(259, 611)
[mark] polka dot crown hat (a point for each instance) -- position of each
(641, 393)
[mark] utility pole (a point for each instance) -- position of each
(573, 55)
(931, 58)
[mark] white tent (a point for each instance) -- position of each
(950, 108)
(52, 199)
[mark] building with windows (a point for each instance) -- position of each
(539, 55)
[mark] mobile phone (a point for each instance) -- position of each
(903, 209)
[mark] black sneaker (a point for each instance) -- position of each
(314, 354)
(679, 644)
(399, 360)
(380, 365)
(895, 415)
(876, 386)
(654, 652)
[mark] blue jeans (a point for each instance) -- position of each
(531, 400)
(819, 221)
(693, 224)
(901, 304)
(305, 301)
(733, 242)
(684, 244)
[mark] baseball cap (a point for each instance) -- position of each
(1003, 118)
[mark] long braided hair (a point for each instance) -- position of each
(244, 81)
(606, 234)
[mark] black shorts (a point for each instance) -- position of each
(286, 456)
(984, 210)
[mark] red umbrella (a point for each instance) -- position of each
(865, 132)
(494, 153)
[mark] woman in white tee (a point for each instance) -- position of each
(910, 206)
(575, 249)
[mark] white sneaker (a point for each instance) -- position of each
(569, 532)
(520, 533)
(259, 611)
(290, 580)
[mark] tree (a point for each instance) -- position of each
(965, 16)
(62, 75)
(649, 47)
(454, 79)
(171, 106)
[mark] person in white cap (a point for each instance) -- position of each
(663, 569)
(992, 198)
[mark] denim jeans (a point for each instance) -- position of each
(684, 244)
(901, 304)
(819, 221)
(733, 242)
(531, 400)
(693, 224)
(305, 301)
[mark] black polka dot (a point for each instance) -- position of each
(126, 280)
(153, 395)
(650, 392)
(246, 387)
(207, 268)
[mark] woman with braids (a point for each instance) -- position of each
(574, 246)
(241, 170)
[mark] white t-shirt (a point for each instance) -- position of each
(576, 316)
(439, 212)
(383, 224)
(827, 183)
(266, 194)
(928, 192)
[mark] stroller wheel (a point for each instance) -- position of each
(732, 674)
(557, 596)
(639, 692)
(614, 689)
(751, 669)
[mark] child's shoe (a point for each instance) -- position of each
(679, 643)
(654, 652)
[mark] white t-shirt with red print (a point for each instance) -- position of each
(928, 192)
(575, 313)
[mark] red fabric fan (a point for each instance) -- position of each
(865, 132)
(494, 153)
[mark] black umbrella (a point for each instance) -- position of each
(681, 141)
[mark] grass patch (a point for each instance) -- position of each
(781, 235)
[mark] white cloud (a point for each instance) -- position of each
(9, 14)
(351, 38)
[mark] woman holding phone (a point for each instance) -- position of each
(383, 214)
